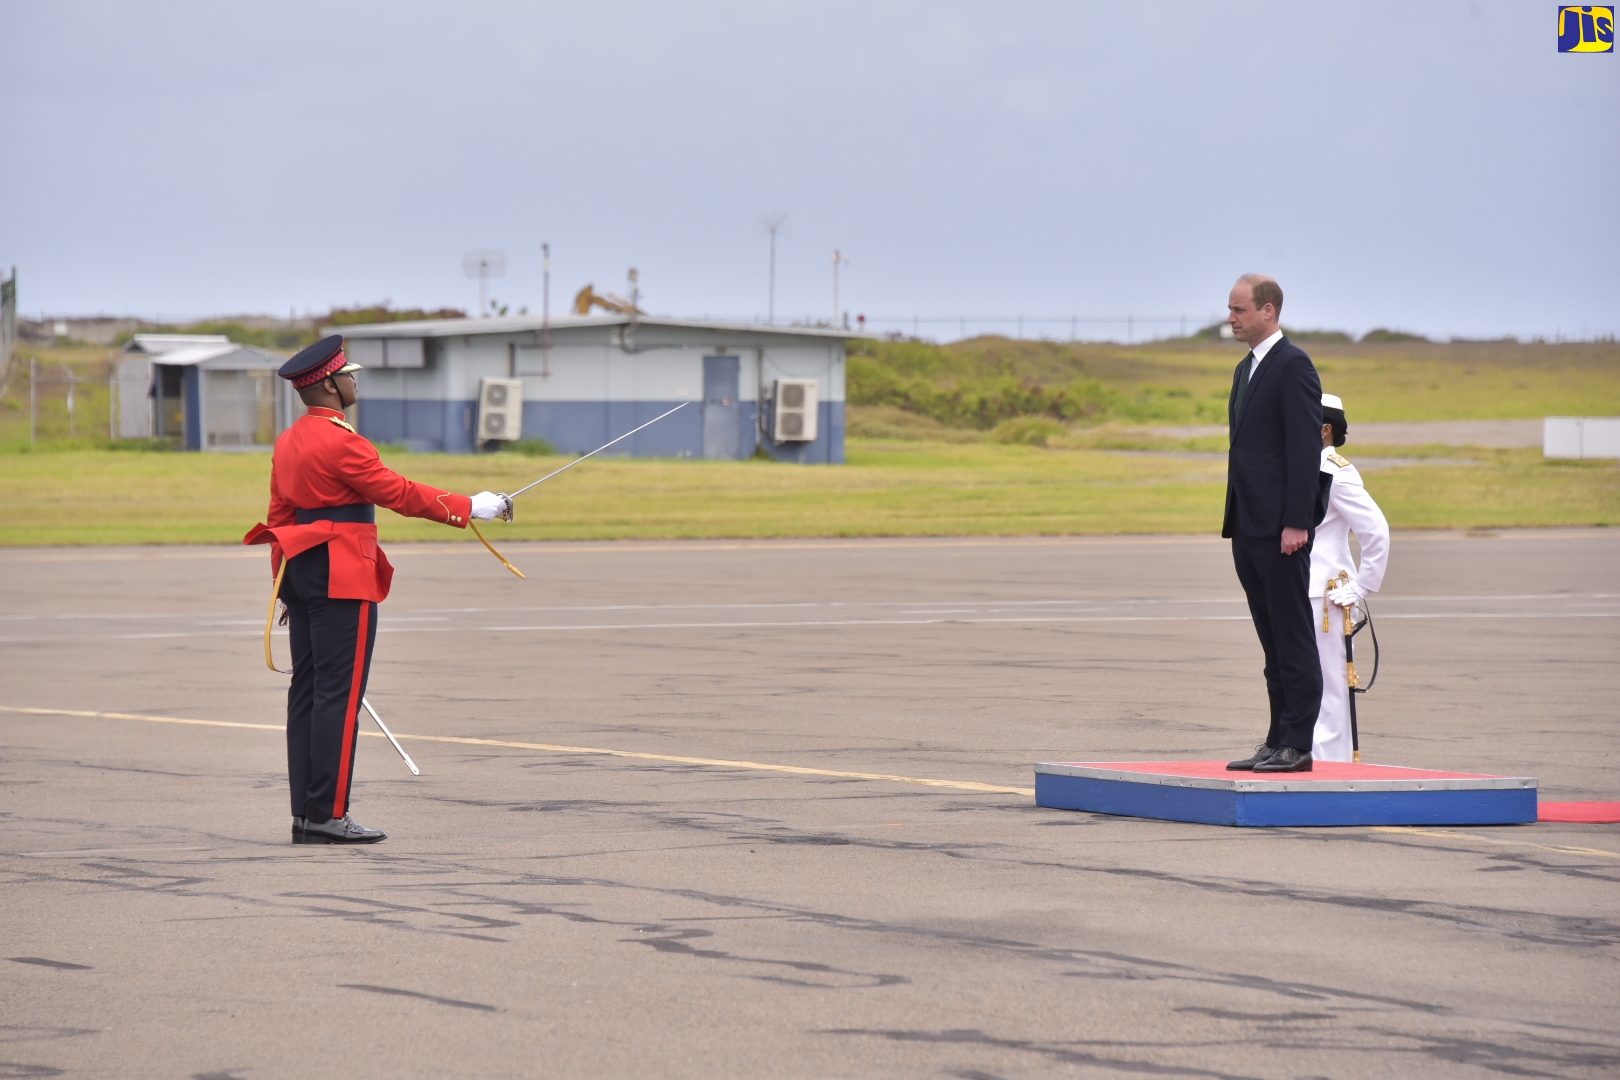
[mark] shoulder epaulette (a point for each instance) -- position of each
(1337, 459)
(346, 426)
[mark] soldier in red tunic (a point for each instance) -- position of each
(326, 482)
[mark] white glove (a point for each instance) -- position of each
(487, 506)
(1347, 595)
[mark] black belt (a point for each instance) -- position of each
(354, 513)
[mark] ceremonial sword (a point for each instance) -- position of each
(576, 461)
(1351, 629)
(506, 513)
(409, 764)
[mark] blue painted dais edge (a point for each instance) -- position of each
(1511, 806)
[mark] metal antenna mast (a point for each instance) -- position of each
(773, 224)
(545, 314)
(483, 265)
(838, 260)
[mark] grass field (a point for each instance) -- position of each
(889, 488)
(966, 471)
(949, 392)
(976, 384)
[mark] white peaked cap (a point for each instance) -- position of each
(1331, 402)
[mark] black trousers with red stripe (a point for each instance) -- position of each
(331, 658)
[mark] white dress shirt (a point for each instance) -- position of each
(1261, 349)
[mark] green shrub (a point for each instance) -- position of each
(1319, 337)
(979, 383)
(530, 448)
(1028, 430)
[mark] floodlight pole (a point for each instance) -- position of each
(838, 259)
(545, 313)
(483, 273)
(773, 222)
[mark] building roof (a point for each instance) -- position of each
(158, 344)
(189, 350)
(229, 356)
(518, 324)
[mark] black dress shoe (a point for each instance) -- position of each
(1286, 759)
(343, 830)
(298, 829)
(1261, 753)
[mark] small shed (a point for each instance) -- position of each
(204, 392)
(460, 385)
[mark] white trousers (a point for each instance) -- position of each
(1331, 739)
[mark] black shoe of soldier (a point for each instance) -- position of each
(1261, 753)
(343, 830)
(298, 829)
(1286, 759)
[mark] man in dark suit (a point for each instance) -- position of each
(1275, 416)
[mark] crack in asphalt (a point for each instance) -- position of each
(476, 886)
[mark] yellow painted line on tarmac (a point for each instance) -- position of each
(720, 763)
(1413, 830)
(755, 766)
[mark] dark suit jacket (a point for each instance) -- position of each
(1271, 470)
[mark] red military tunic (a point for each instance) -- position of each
(321, 461)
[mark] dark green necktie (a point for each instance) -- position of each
(1243, 389)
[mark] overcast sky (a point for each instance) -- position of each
(1435, 167)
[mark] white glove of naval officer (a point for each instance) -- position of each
(1347, 595)
(487, 506)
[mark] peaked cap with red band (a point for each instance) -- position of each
(315, 363)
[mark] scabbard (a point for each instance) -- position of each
(1350, 668)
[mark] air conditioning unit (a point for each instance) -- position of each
(794, 417)
(500, 409)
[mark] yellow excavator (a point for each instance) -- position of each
(588, 296)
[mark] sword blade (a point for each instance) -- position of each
(409, 764)
(598, 450)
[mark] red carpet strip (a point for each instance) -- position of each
(1587, 813)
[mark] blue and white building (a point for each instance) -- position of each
(454, 385)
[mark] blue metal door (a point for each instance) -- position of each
(720, 409)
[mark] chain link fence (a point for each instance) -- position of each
(51, 400)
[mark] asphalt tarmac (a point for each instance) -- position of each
(545, 908)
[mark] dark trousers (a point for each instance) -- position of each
(331, 658)
(1277, 586)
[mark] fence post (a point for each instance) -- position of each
(112, 400)
(33, 401)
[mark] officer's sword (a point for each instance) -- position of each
(506, 513)
(409, 764)
(593, 453)
(1352, 680)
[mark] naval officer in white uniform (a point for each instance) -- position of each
(1349, 509)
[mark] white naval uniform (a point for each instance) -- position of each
(1350, 509)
